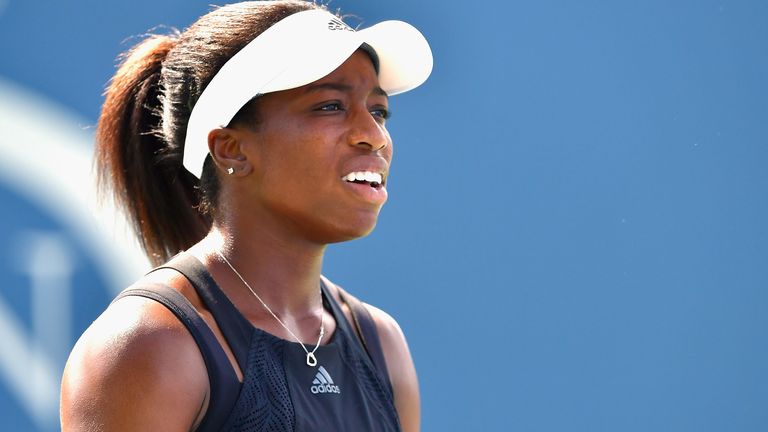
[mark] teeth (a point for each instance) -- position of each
(366, 176)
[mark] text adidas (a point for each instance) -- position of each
(324, 388)
(323, 383)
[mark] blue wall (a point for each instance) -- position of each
(576, 236)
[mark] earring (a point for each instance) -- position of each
(230, 170)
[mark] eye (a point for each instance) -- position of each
(381, 113)
(330, 107)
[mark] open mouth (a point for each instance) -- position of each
(372, 179)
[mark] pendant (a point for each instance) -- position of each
(311, 360)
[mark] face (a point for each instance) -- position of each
(321, 154)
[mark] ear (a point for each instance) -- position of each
(225, 146)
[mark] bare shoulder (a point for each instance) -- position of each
(390, 333)
(135, 368)
(402, 372)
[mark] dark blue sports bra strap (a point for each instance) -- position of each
(235, 328)
(365, 329)
(224, 385)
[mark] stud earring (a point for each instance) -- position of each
(230, 170)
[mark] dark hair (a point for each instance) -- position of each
(142, 127)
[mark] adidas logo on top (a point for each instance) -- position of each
(323, 383)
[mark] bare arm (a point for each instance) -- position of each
(136, 368)
(402, 372)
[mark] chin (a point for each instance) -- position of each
(349, 228)
(355, 235)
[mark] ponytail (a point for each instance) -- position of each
(143, 123)
(135, 162)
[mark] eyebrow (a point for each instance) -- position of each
(340, 87)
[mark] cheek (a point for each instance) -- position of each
(297, 164)
(389, 141)
(388, 152)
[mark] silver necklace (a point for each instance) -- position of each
(311, 359)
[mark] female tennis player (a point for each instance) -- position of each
(239, 149)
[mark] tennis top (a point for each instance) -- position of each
(348, 389)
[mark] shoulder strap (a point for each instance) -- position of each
(235, 328)
(224, 385)
(366, 331)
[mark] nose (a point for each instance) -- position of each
(367, 131)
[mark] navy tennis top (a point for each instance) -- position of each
(345, 391)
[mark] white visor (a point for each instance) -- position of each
(298, 50)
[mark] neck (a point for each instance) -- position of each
(283, 271)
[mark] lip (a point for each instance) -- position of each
(377, 196)
(366, 163)
(367, 193)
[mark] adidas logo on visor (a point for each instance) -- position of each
(323, 383)
(337, 24)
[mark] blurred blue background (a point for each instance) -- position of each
(576, 237)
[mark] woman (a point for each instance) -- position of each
(250, 141)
